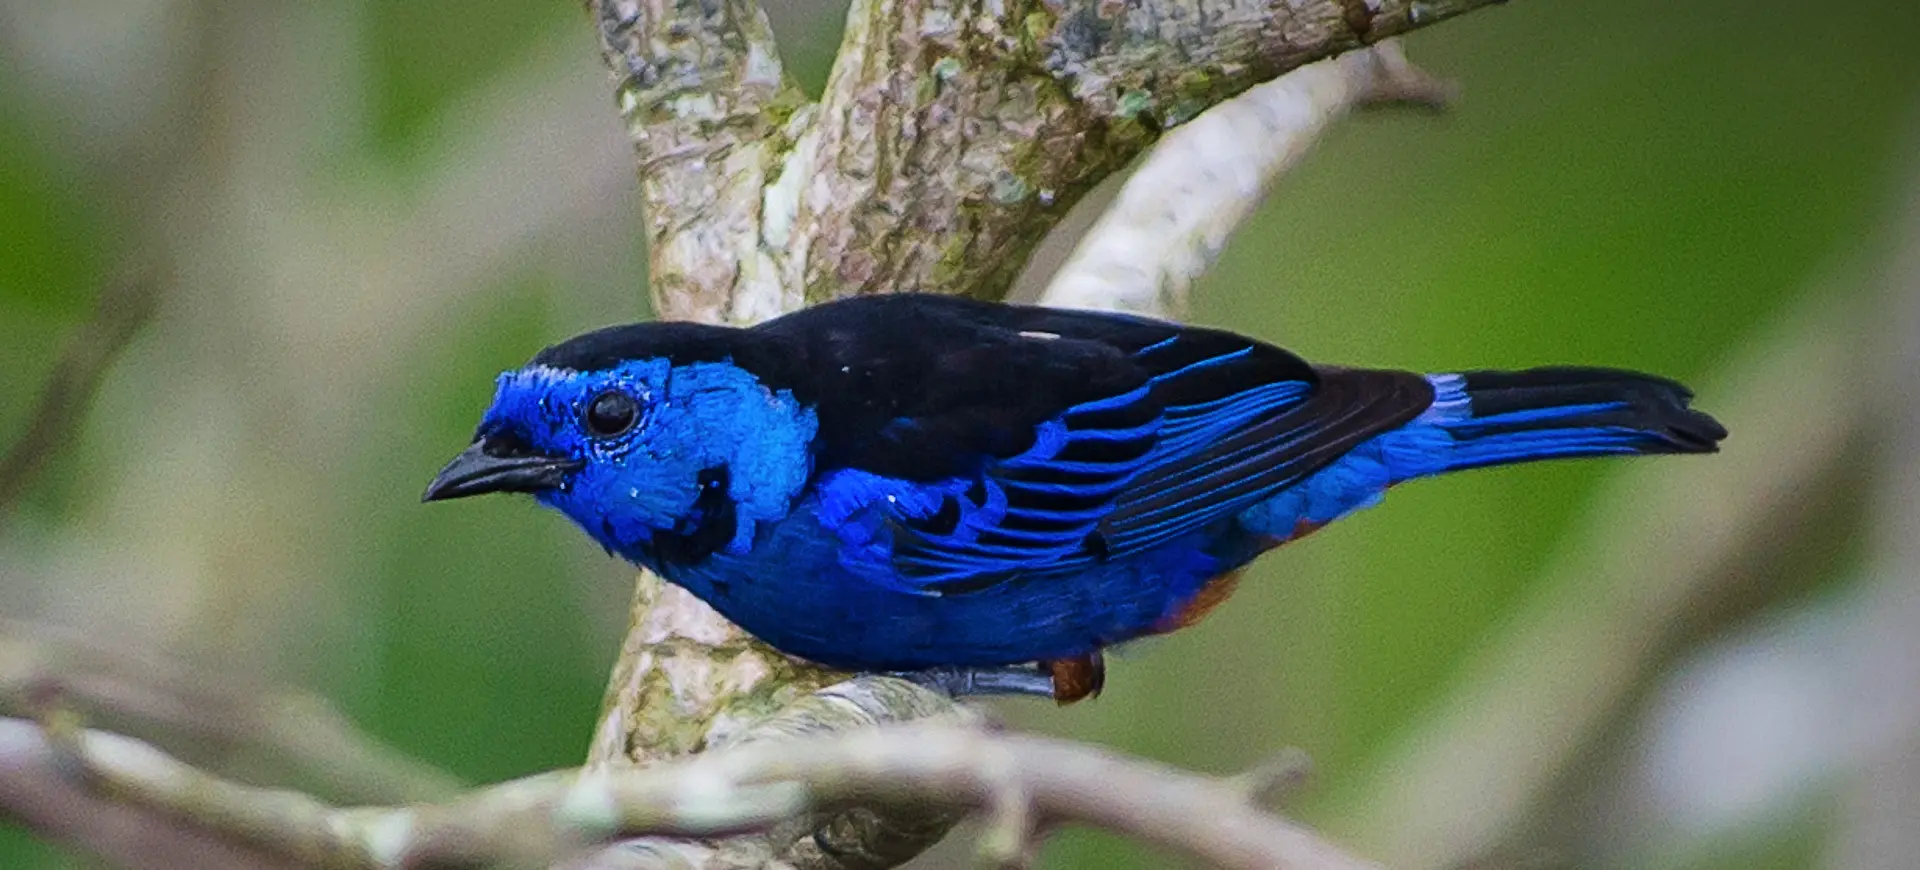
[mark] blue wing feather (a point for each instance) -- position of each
(1055, 503)
(1208, 424)
(1263, 456)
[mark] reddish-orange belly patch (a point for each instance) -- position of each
(1220, 588)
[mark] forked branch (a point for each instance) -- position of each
(954, 135)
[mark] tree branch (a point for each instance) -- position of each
(955, 134)
(952, 136)
(703, 92)
(847, 837)
(223, 714)
(42, 794)
(752, 787)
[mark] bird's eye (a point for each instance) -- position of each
(612, 413)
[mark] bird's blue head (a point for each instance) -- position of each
(651, 437)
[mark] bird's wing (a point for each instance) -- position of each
(1098, 436)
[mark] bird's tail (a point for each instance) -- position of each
(1496, 418)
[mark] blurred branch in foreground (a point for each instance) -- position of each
(1025, 784)
(43, 793)
(126, 303)
(221, 714)
(1882, 801)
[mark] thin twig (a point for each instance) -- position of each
(40, 794)
(126, 303)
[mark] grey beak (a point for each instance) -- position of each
(487, 467)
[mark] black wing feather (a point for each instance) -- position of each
(1348, 407)
(1083, 435)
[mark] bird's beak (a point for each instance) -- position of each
(489, 466)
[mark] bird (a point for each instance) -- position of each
(984, 497)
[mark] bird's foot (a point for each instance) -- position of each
(1076, 679)
(1063, 680)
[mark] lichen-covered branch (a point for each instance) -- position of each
(1202, 180)
(955, 133)
(705, 98)
(1024, 784)
(844, 836)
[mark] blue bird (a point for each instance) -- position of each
(984, 496)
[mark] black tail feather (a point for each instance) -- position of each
(1651, 414)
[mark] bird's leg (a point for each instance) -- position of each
(1063, 680)
(970, 682)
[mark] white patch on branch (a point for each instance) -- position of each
(1203, 179)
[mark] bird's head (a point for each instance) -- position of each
(652, 438)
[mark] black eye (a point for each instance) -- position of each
(612, 413)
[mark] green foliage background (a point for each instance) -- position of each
(1638, 183)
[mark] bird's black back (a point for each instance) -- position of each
(926, 387)
(923, 387)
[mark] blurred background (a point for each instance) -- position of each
(332, 223)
